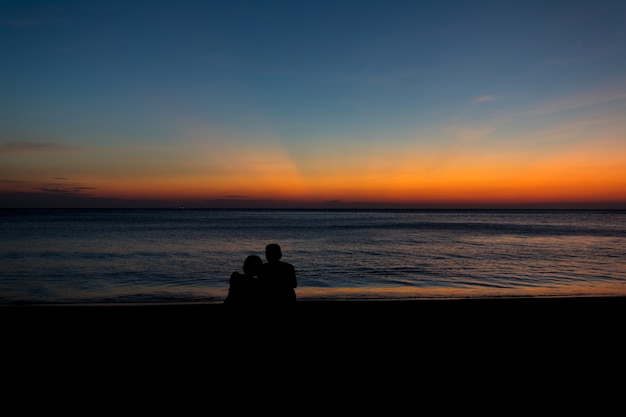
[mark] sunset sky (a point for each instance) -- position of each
(313, 103)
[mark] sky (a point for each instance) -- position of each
(312, 104)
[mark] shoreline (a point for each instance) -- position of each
(568, 310)
(501, 299)
(333, 300)
(326, 299)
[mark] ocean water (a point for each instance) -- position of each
(143, 256)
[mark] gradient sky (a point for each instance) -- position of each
(314, 103)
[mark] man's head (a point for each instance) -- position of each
(273, 252)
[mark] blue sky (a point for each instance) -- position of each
(389, 101)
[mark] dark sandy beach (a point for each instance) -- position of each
(547, 318)
(538, 344)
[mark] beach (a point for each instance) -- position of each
(486, 346)
(526, 318)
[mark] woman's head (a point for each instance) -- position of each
(252, 265)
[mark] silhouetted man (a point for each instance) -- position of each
(278, 277)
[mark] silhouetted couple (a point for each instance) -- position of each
(272, 283)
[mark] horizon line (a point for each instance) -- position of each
(34, 200)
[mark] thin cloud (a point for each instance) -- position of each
(59, 186)
(483, 99)
(63, 188)
(12, 147)
(467, 134)
(5, 181)
(579, 101)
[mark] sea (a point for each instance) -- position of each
(87, 256)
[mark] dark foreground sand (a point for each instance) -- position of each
(547, 318)
(478, 355)
(537, 345)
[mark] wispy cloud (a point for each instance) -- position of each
(58, 186)
(467, 134)
(63, 188)
(7, 181)
(579, 101)
(10, 147)
(483, 99)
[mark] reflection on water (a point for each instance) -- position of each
(188, 255)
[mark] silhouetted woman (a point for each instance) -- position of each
(244, 289)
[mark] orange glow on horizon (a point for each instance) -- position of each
(590, 172)
(401, 190)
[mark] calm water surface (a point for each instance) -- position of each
(58, 256)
